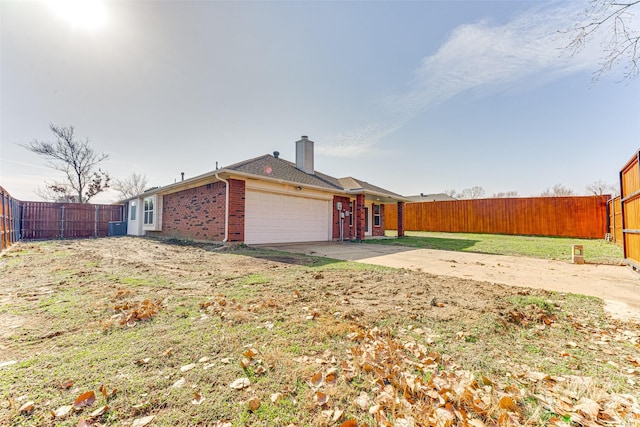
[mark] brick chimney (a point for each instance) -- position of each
(304, 155)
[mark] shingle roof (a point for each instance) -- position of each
(276, 168)
(350, 183)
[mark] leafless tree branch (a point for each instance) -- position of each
(77, 160)
(622, 41)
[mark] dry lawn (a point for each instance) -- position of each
(130, 331)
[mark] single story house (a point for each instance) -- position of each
(264, 200)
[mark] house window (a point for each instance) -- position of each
(376, 215)
(351, 214)
(148, 211)
(133, 211)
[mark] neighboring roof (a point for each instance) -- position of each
(278, 169)
(438, 197)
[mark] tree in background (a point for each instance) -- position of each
(505, 194)
(614, 18)
(468, 193)
(131, 186)
(600, 187)
(557, 190)
(471, 193)
(450, 192)
(78, 160)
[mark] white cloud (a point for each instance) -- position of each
(481, 58)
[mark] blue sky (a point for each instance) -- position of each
(416, 97)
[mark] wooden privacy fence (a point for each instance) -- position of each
(573, 216)
(615, 220)
(9, 219)
(630, 208)
(45, 220)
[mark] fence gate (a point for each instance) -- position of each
(630, 207)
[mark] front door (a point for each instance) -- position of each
(366, 219)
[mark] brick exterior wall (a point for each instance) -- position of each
(358, 219)
(400, 219)
(199, 214)
(377, 230)
(194, 214)
(347, 230)
(236, 210)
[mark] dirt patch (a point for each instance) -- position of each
(618, 286)
(104, 266)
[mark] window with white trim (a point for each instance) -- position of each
(132, 210)
(148, 211)
(376, 215)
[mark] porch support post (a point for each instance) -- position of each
(359, 217)
(400, 219)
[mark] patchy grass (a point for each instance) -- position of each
(595, 251)
(190, 321)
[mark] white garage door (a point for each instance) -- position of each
(278, 218)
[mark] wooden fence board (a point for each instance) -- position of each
(574, 216)
(45, 220)
(630, 208)
(9, 219)
(615, 221)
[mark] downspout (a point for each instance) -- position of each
(226, 208)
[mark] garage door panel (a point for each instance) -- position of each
(279, 218)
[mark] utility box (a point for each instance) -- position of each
(577, 254)
(117, 228)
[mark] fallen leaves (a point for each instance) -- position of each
(129, 313)
(141, 422)
(240, 383)
(321, 398)
(180, 383)
(106, 393)
(188, 367)
(85, 399)
(197, 398)
(27, 407)
(62, 411)
(253, 404)
(450, 395)
(99, 412)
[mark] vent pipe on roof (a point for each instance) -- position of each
(304, 155)
(276, 154)
(182, 173)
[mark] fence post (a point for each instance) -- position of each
(95, 224)
(4, 223)
(21, 221)
(62, 223)
(17, 223)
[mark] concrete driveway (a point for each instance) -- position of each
(618, 286)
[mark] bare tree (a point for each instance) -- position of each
(77, 159)
(131, 186)
(505, 194)
(450, 192)
(557, 190)
(614, 18)
(48, 193)
(600, 187)
(471, 193)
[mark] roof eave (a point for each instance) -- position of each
(285, 181)
(378, 196)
